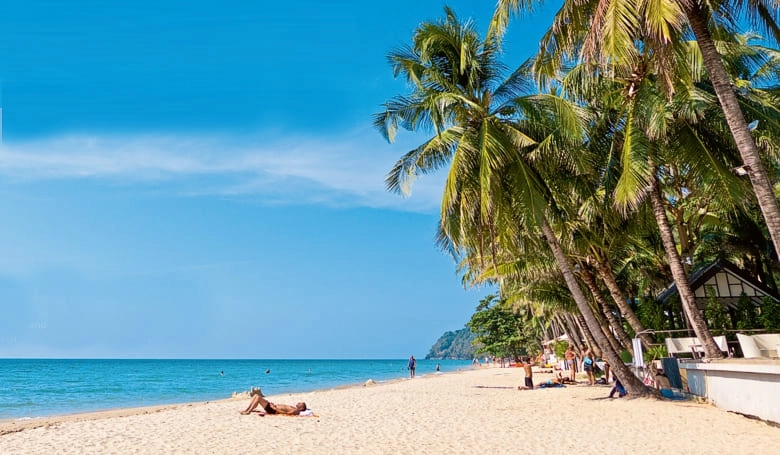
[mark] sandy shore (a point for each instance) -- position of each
(466, 412)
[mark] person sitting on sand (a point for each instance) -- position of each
(258, 399)
(529, 374)
(661, 380)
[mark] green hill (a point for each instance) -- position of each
(454, 345)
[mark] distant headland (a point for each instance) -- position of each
(455, 345)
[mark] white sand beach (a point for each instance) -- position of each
(456, 413)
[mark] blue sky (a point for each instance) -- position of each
(201, 179)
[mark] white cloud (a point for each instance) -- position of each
(345, 170)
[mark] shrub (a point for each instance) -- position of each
(770, 314)
(746, 313)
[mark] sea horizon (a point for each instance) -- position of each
(43, 387)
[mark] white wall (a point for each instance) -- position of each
(748, 388)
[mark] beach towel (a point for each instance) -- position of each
(545, 385)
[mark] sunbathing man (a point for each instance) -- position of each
(563, 380)
(271, 408)
(554, 382)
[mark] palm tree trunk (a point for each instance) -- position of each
(547, 333)
(608, 277)
(557, 328)
(617, 331)
(574, 335)
(632, 384)
(759, 178)
(583, 325)
(610, 337)
(695, 317)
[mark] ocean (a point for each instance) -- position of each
(44, 387)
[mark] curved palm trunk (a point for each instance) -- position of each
(593, 344)
(759, 178)
(574, 334)
(548, 331)
(695, 317)
(597, 345)
(632, 384)
(618, 333)
(561, 328)
(608, 277)
(610, 337)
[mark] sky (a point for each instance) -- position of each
(200, 179)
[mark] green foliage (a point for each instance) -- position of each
(560, 348)
(499, 329)
(494, 138)
(651, 313)
(747, 318)
(625, 356)
(717, 317)
(770, 314)
(454, 345)
(655, 352)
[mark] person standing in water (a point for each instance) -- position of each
(412, 365)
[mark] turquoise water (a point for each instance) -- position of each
(44, 387)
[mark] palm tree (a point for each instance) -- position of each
(681, 140)
(604, 31)
(605, 35)
(493, 133)
(616, 327)
(765, 13)
(602, 234)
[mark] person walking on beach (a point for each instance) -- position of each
(571, 362)
(621, 391)
(412, 365)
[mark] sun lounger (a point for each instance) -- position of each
(692, 345)
(762, 345)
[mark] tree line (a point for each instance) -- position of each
(638, 143)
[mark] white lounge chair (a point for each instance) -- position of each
(762, 345)
(692, 345)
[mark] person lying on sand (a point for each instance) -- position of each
(557, 381)
(258, 399)
(554, 382)
(563, 380)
